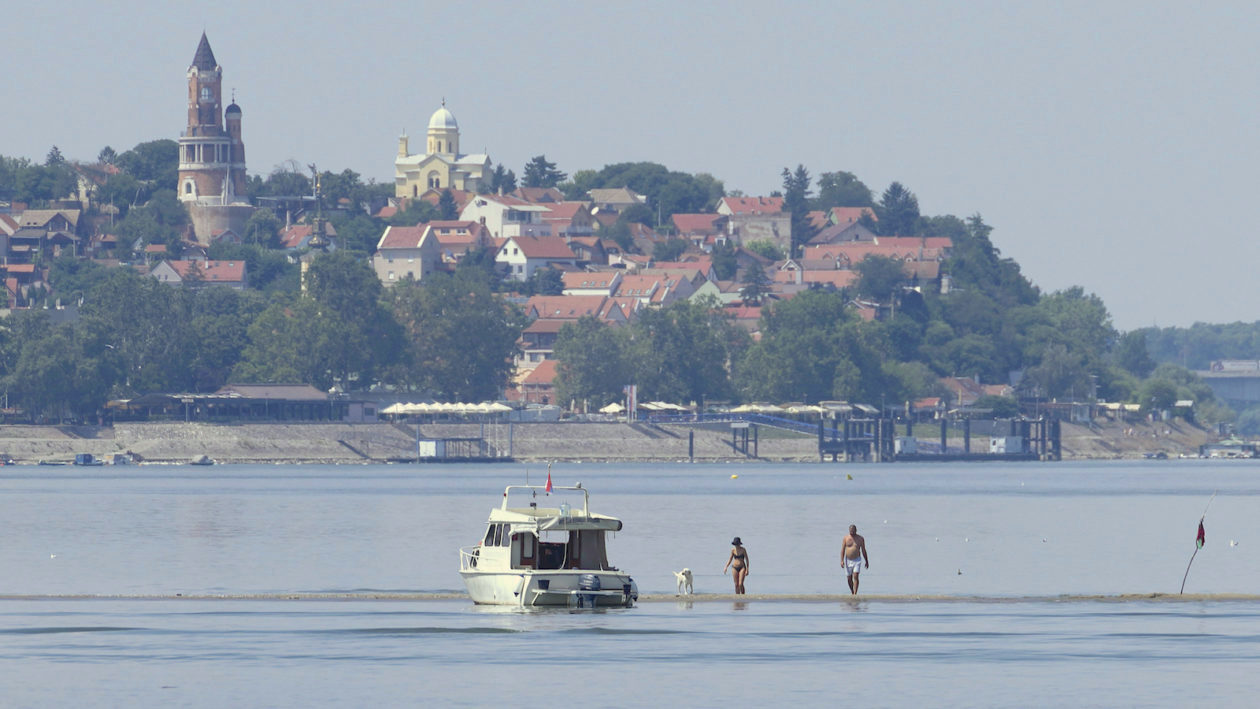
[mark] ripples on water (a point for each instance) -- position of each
(448, 653)
(1121, 528)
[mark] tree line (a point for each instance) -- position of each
(993, 324)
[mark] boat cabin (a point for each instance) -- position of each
(547, 538)
(574, 549)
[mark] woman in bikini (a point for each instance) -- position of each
(739, 561)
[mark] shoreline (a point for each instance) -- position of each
(583, 442)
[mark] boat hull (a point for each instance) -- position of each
(527, 588)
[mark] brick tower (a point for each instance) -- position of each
(212, 153)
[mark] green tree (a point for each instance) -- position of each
(898, 211)
(841, 189)
(796, 201)
(146, 327)
(263, 228)
(682, 352)
(502, 180)
(766, 249)
(638, 214)
(54, 158)
(669, 250)
(73, 278)
(756, 285)
(270, 271)
(446, 206)
(358, 232)
(592, 362)
(417, 212)
(539, 172)
(725, 264)
(813, 348)
(155, 162)
(546, 281)
(879, 277)
(459, 338)
(285, 181)
(107, 155)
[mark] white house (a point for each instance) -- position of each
(406, 251)
(520, 256)
(507, 216)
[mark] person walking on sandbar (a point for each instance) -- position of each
(738, 560)
(852, 554)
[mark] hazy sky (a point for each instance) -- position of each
(1112, 145)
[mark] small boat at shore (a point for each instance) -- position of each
(202, 459)
(546, 556)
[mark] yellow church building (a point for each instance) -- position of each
(441, 165)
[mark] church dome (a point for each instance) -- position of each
(443, 119)
(233, 109)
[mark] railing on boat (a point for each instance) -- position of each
(468, 557)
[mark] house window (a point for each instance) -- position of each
(391, 275)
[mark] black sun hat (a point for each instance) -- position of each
(736, 542)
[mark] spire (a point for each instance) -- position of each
(204, 58)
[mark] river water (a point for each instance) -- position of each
(103, 599)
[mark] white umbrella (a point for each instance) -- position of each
(613, 408)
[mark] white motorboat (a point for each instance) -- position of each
(553, 555)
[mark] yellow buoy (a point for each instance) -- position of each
(734, 477)
(848, 477)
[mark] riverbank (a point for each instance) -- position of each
(532, 442)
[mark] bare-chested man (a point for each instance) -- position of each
(853, 553)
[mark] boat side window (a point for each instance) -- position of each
(528, 544)
(498, 535)
(489, 540)
(506, 539)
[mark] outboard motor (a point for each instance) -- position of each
(587, 582)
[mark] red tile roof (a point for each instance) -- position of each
(585, 280)
(848, 215)
(839, 279)
(566, 307)
(538, 195)
(402, 237)
(211, 271)
(753, 205)
(544, 247)
(562, 210)
(546, 325)
(543, 374)
(696, 223)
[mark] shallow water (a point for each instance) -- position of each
(1107, 528)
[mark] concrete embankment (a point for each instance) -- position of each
(365, 443)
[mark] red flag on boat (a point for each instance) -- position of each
(1199, 539)
(549, 485)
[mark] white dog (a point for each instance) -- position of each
(684, 582)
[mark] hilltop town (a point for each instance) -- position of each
(168, 273)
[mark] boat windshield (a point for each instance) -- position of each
(576, 549)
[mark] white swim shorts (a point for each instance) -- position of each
(852, 566)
